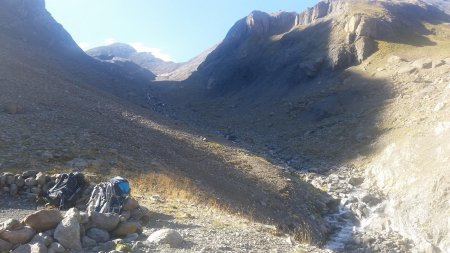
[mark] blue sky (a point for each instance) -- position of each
(171, 29)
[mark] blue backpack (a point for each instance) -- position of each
(110, 197)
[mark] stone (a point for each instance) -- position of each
(131, 237)
(29, 173)
(43, 220)
(5, 246)
(20, 182)
(13, 190)
(35, 190)
(141, 214)
(40, 178)
(31, 248)
(84, 218)
(30, 182)
(88, 242)
(99, 235)
(56, 248)
(130, 204)
(126, 228)
(42, 239)
(438, 63)
(355, 181)
(10, 179)
(394, 59)
(370, 200)
(425, 63)
(406, 70)
(166, 236)
(18, 236)
(67, 233)
(364, 47)
(105, 221)
(10, 224)
(108, 246)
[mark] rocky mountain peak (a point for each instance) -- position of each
(29, 21)
(120, 50)
(259, 23)
(320, 10)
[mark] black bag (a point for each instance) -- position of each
(66, 191)
(109, 197)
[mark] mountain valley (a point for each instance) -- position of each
(326, 127)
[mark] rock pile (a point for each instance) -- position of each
(52, 231)
(29, 182)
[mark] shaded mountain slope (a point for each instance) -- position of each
(59, 105)
(355, 83)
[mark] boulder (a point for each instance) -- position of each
(394, 59)
(30, 181)
(42, 239)
(126, 228)
(43, 220)
(10, 179)
(131, 237)
(87, 242)
(20, 182)
(67, 233)
(40, 178)
(406, 70)
(438, 63)
(56, 248)
(5, 246)
(141, 214)
(31, 248)
(29, 173)
(18, 236)
(130, 204)
(166, 236)
(99, 235)
(13, 190)
(105, 221)
(425, 63)
(10, 224)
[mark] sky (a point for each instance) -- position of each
(173, 30)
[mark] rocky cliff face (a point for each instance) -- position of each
(29, 21)
(332, 35)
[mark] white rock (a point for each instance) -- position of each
(166, 236)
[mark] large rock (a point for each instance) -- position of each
(40, 178)
(364, 47)
(67, 233)
(88, 242)
(31, 248)
(141, 214)
(56, 248)
(42, 239)
(10, 224)
(126, 228)
(99, 235)
(425, 63)
(43, 220)
(18, 236)
(130, 204)
(105, 221)
(5, 246)
(166, 236)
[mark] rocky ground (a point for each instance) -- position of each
(196, 228)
